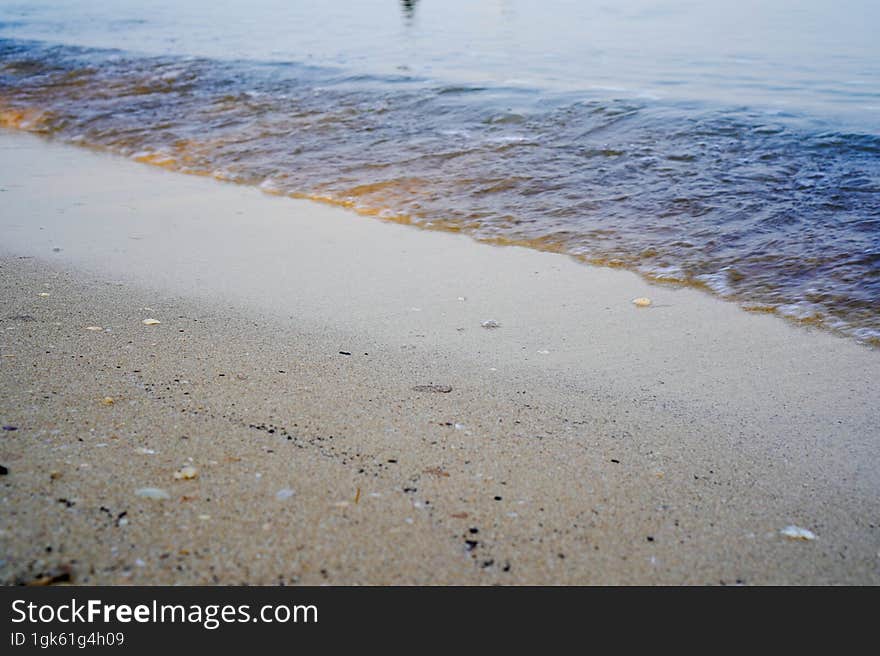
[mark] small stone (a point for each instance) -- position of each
(3, 470)
(43, 294)
(152, 493)
(108, 400)
(151, 322)
(798, 533)
(186, 473)
(94, 329)
(490, 324)
(642, 301)
(10, 428)
(55, 475)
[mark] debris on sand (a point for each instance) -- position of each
(3, 470)
(186, 473)
(441, 389)
(108, 400)
(152, 493)
(798, 533)
(151, 322)
(94, 329)
(284, 494)
(60, 574)
(642, 301)
(490, 324)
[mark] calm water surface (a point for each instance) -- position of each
(729, 145)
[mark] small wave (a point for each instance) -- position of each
(757, 208)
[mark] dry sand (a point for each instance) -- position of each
(585, 440)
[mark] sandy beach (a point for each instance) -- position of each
(323, 387)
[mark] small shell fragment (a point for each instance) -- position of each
(151, 322)
(94, 328)
(490, 324)
(642, 301)
(186, 473)
(108, 400)
(284, 493)
(798, 533)
(43, 294)
(152, 493)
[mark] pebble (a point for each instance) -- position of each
(186, 473)
(151, 322)
(108, 400)
(43, 294)
(3, 470)
(798, 533)
(490, 324)
(642, 301)
(94, 328)
(152, 493)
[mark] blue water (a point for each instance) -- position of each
(729, 145)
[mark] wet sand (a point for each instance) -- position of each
(302, 366)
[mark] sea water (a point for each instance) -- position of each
(730, 145)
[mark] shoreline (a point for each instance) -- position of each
(21, 122)
(598, 424)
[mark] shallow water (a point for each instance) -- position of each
(728, 145)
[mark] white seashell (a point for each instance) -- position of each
(151, 322)
(642, 301)
(491, 323)
(798, 533)
(186, 473)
